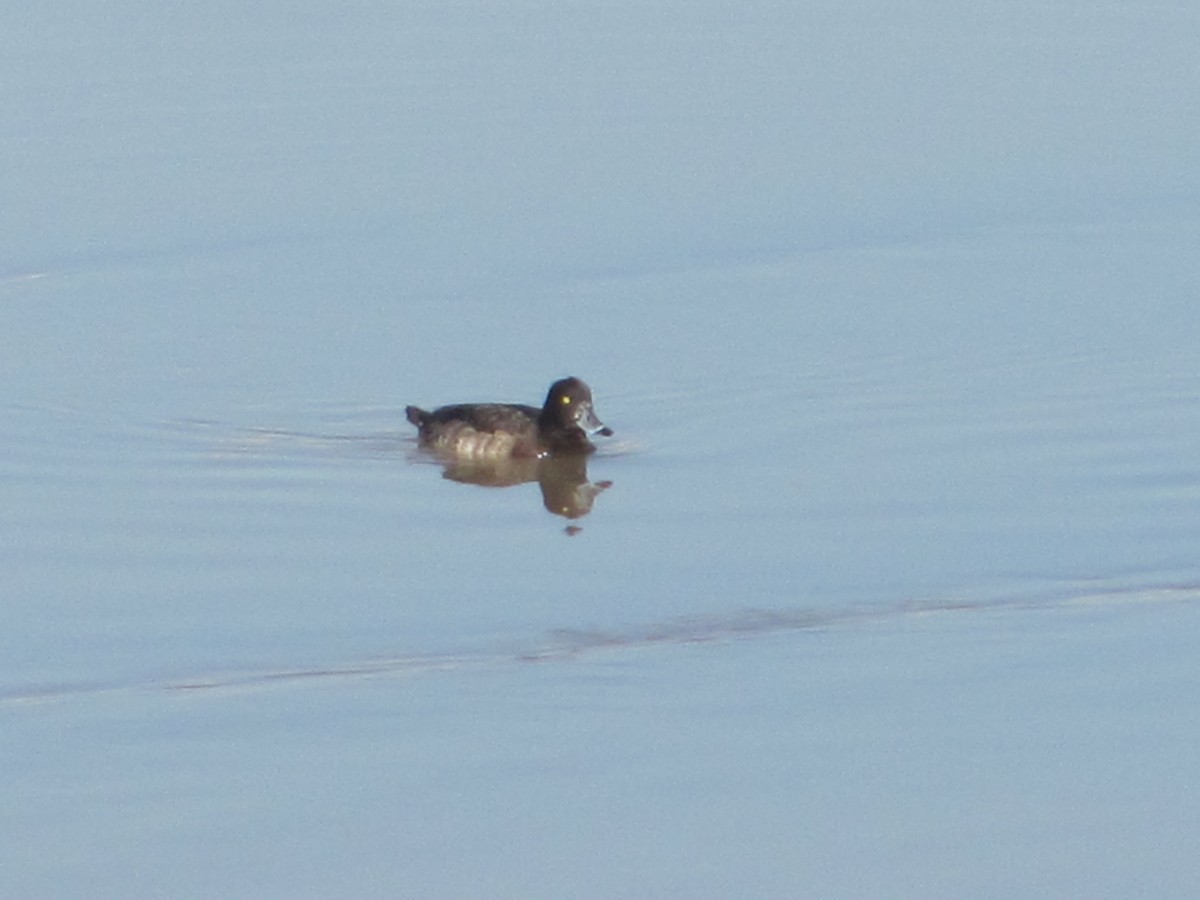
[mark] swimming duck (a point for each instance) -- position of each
(503, 430)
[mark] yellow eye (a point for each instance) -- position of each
(566, 401)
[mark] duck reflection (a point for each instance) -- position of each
(566, 490)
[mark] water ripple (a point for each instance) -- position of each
(564, 645)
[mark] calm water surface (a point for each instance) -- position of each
(885, 585)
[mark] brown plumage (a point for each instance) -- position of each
(500, 430)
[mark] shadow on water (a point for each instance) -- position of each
(568, 644)
(566, 489)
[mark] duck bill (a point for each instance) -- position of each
(591, 425)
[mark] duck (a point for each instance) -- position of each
(563, 426)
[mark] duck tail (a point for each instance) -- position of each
(416, 415)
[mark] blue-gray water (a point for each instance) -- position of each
(893, 588)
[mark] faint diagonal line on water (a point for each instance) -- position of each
(566, 644)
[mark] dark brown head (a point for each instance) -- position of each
(568, 409)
